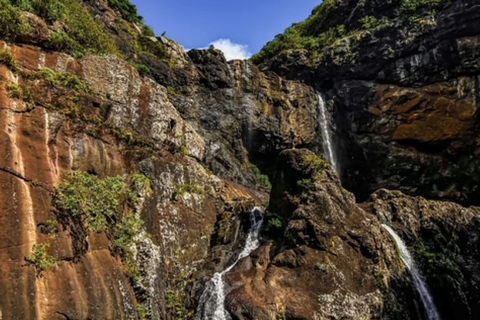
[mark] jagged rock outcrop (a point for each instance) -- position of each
(401, 78)
(331, 259)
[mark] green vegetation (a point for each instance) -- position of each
(16, 91)
(12, 23)
(82, 34)
(107, 205)
(262, 179)
(7, 59)
(64, 79)
(142, 312)
(412, 6)
(142, 69)
(126, 9)
(322, 267)
(314, 165)
(176, 307)
(304, 183)
(181, 189)
(40, 258)
(303, 35)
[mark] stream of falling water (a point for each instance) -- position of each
(326, 134)
(212, 302)
(418, 280)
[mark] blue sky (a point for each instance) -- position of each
(241, 23)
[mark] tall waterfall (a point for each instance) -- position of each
(418, 280)
(212, 302)
(326, 134)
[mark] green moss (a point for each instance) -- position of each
(40, 258)
(61, 41)
(181, 189)
(7, 59)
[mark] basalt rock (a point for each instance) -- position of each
(335, 261)
(404, 94)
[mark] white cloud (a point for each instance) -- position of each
(232, 50)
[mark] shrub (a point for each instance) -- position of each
(126, 9)
(314, 165)
(7, 59)
(12, 22)
(369, 22)
(189, 188)
(176, 307)
(107, 205)
(50, 10)
(40, 258)
(412, 6)
(262, 179)
(18, 92)
(142, 312)
(61, 41)
(64, 79)
(142, 69)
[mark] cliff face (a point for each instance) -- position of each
(401, 78)
(330, 258)
(63, 255)
(130, 166)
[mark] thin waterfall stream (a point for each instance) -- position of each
(324, 122)
(418, 279)
(212, 301)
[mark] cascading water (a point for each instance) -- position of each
(418, 280)
(212, 302)
(326, 134)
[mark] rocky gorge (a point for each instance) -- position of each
(131, 167)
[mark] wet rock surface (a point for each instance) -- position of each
(404, 96)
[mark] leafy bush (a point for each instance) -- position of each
(412, 6)
(189, 188)
(107, 205)
(7, 59)
(369, 22)
(40, 258)
(314, 165)
(12, 22)
(18, 92)
(61, 41)
(142, 69)
(126, 9)
(262, 179)
(142, 312)
(50, 10)
(64, 79)
(176, 307)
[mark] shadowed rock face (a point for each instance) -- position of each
(405, 97)
(334, 261)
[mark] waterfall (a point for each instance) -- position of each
(212, 302)
(326, 134)
(418, 280)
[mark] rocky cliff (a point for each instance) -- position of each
(130, 166)
(401, 78)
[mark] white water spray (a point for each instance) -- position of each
(326, 134)
(418, 280)
(212, 302)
